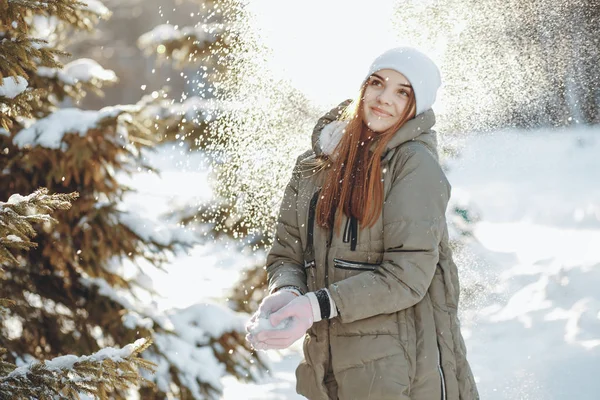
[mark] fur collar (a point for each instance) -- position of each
(331, 135)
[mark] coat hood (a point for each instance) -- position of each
(329, 131)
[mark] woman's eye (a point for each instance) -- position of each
(403, 93)
(375, 82)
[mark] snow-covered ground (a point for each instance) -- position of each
(535, 334)
(531, 312)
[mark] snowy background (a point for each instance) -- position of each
(534, 330)
(530, 272)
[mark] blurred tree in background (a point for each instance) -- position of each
(510, 63)
(84, 287)
(204, 46)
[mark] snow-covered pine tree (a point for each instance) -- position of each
(65, 376)
(84, 288)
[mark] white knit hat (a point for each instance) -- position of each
(420, 70)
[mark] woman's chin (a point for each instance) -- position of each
(377, 126)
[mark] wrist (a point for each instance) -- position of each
(314, 304)
(323, 306)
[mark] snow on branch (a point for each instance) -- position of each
(167, 33)
(194, 110)
(49, 132)
(15, 99)
(184, 45)
(96, 7)
(151, 231)
(11, 87)
(83, 70)
(201, 344)
(67, 376)
(127, 301)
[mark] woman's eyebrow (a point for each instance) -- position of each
(400, 84)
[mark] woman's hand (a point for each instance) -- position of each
(300, 312)
(268, 306)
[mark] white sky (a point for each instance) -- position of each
(324, 47)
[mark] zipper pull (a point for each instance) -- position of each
(353, 233)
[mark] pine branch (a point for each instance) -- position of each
(21, 53)
(75, 13)
(65, 377)
(20, 212)
(5, 367)
(21, 105)
(20, 56)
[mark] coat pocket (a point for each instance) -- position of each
(345, 269)
(354, 265)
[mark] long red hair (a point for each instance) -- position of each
(353, 183)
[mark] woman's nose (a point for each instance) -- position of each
(384, 98)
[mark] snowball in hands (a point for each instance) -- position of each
(300, 314)
(260, 323)
(260, 320)
(272, 303)
(263, 323)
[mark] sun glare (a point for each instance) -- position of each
(323, 47)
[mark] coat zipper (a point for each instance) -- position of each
(352, 265)
(442, 378)
(309, 258)
(311, 222)
(328, 246)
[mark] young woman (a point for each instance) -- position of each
(360, 265)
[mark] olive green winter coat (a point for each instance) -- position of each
(397, 335)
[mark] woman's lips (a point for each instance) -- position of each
(380, 112)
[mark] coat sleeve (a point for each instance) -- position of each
(285, 260)
(413, 225)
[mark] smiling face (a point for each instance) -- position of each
(386, 97)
